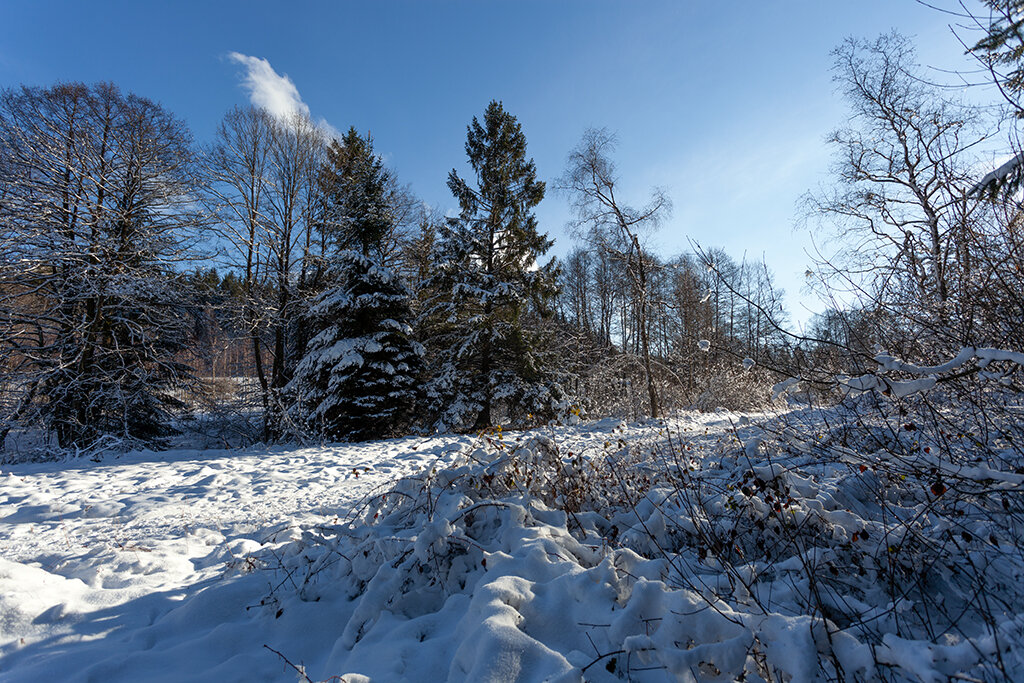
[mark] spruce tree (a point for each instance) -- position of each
(486, 359)
(355, 185)
(358, 376)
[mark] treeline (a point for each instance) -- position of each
(136, 266)
(713, 327)
(105, 203)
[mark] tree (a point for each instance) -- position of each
(576, 290)
(262, 185)
(97, 190)
(236, 168)
(1001, 50)
(359, 372)
(490, 287)
(354, 188)
(293, 203)
(417, 251)
(903, 195)
(590, 181)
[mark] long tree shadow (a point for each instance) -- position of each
(213, 630)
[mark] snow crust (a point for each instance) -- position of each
(477, 558)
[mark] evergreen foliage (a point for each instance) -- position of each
(1001, 53)
(354, 186)
(360, 370)
(489, 289)
(358, 376)
(1002, 48)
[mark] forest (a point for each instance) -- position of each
(290, 282)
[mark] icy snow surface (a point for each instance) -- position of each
(135, 568)
(217, 565)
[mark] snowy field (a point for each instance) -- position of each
(135, 568)
(500, 558)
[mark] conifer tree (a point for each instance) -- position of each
(486, 359)
(358, 376)
(355, 185)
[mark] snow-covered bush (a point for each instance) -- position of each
(876, 540)
(735, 386)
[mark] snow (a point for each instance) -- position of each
(499, 557)
(890, 363)
(1000, 174)
(925, 377)
(149, 557)
(989, 355)
(782, 387)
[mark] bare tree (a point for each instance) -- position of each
(903, 201)
(236, 184)
(292, 199)
(617, 229)
(97, 212)
(262, 181)
(576, 290)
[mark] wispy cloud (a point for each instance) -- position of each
(269, 90)
(276, 93)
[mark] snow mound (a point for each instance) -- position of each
(715, 561)
(804, 546)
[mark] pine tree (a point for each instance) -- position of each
(359, 374)
(487, 359)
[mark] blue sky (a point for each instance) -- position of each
(726, 105)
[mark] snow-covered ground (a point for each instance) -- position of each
(135, 567)
(705, 547)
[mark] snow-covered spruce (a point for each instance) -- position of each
(358, 376)
(485, 303)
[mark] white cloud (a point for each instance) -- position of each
(268, 89)
(275, 93)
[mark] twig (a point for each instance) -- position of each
(301, 670)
